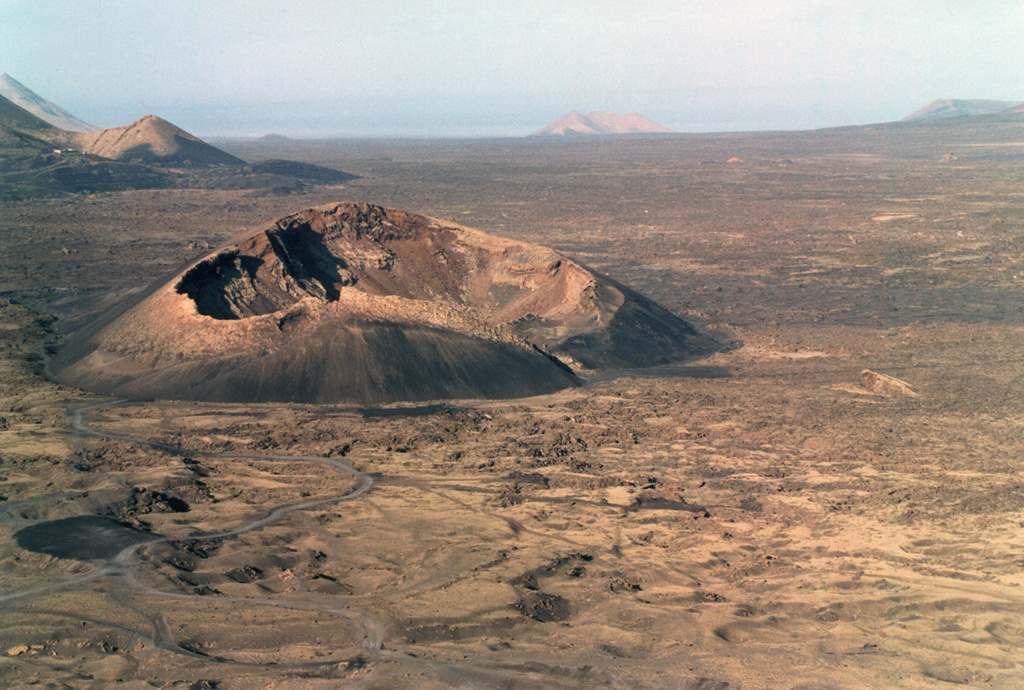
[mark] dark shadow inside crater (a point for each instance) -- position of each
(222, 287)
(310, 262)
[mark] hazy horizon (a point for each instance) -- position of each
(457, 68)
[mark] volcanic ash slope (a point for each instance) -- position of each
(355, 303)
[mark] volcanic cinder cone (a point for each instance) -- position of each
(154, 141)
(355, 303)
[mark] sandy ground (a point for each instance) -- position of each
(760, 519)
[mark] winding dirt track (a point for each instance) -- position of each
(120, 576)
(119, 570)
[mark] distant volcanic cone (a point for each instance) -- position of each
(355, 303)
(154, 141)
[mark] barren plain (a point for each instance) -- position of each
(766, 518)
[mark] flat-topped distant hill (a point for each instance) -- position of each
(601, 122)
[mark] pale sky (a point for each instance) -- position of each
(479, 68)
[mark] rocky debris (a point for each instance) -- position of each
(659, 499)
(245, 574)
(204, 685)
(206, 591)
(510, 496)
(143, 501)
(622, 584)
(530, 478)
(886, 385)
(543, 607)
(180, 564)
(200, 548)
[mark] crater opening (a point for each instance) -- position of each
(224, 287)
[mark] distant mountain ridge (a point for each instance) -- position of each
(24, 97)
(15, 118)
(601, 122)
(957, 107)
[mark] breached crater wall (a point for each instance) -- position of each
(351, 302)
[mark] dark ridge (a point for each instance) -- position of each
(14, 116)
(303, 171)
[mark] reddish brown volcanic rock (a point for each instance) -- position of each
(353, 302)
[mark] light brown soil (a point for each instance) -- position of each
(759, 519)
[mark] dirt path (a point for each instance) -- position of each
(121, 570)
